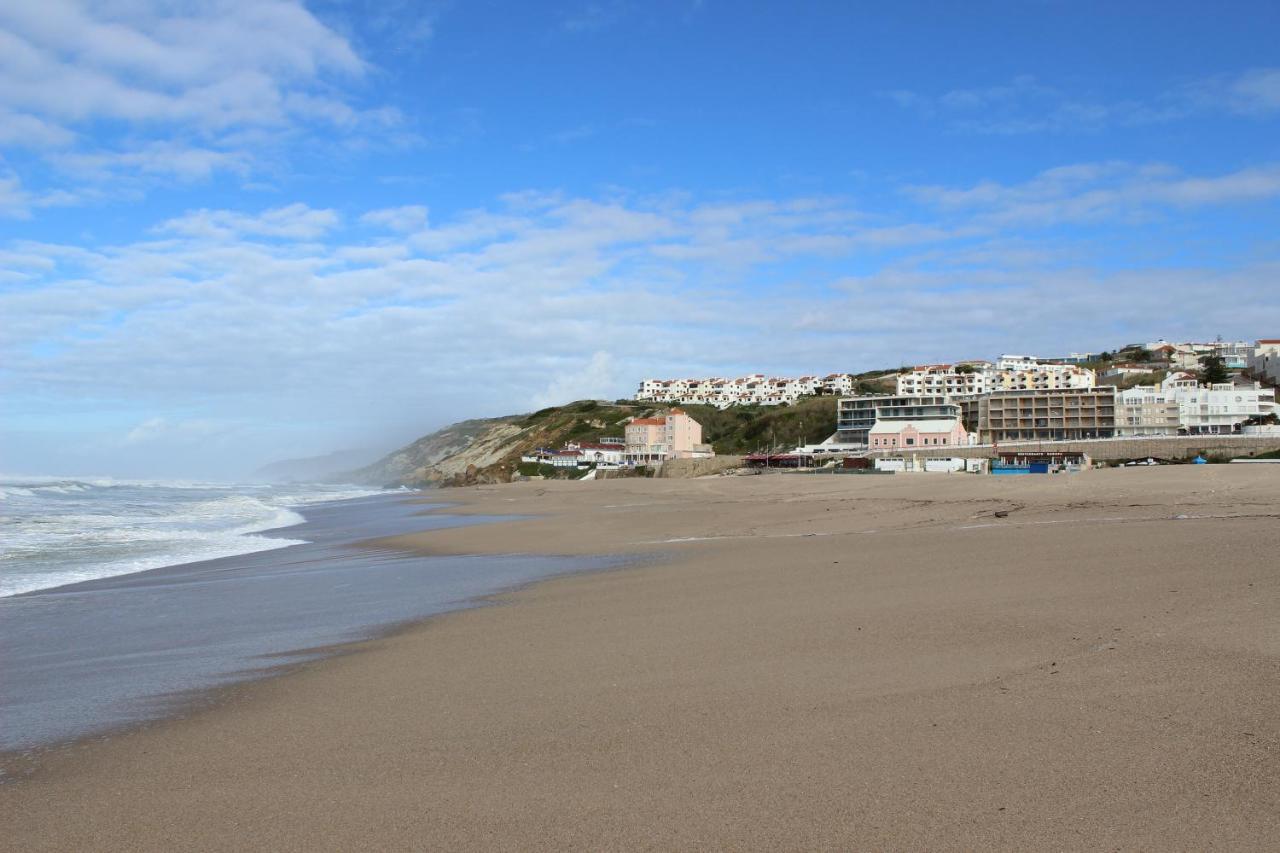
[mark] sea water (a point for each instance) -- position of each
(124, 608)
(61, 530)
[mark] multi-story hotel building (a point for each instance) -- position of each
(1062, 414)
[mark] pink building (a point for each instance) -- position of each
(926, 434)
(674, 435)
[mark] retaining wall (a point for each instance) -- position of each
(1123, 449)
(686, 468)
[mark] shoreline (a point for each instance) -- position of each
(172, 639)
(848, 664)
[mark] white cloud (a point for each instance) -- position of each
(183, 432)
(292, 321)
(1026, 105)
(295, 221)
(1255, 92)
(16, 201)
(164, 91)
(1098, 192)
(597, 379)
(410, 217)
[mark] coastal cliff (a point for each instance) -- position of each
(443, 455)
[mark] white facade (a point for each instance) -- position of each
(930, 465)
(599, 454)
(756, 389)
(946, 379)
(1031, 362)
(1011, 373)
(1264, 362)
(1202, 409)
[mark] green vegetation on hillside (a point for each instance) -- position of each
(744, 429)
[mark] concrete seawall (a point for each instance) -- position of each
(1123, 449)
(683, 469)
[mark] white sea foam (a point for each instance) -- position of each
(58, 530)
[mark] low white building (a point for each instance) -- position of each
(601, 455)
(911, 463)
(1120, 372)
(1031, 362)
(564, 459)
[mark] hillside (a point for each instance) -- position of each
(489, 450)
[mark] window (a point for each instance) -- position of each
(911, 441)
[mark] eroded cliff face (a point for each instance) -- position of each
(443, 454)
(482, 460)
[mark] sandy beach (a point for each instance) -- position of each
(793, 662)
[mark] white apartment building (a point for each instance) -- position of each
(1011, 373)
(943, 379)
(755, 389)
(1202, 409)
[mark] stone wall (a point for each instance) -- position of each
(683, 469)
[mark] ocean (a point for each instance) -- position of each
(125, 603)
(60, 530)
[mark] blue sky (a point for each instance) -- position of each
(238, 231)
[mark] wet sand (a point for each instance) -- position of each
(838, 662)
(104, 655)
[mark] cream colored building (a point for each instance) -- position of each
(1145, 414)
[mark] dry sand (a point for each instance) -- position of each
(827, 663)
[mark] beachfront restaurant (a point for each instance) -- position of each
(1038, 462)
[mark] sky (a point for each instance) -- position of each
(238, 231)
